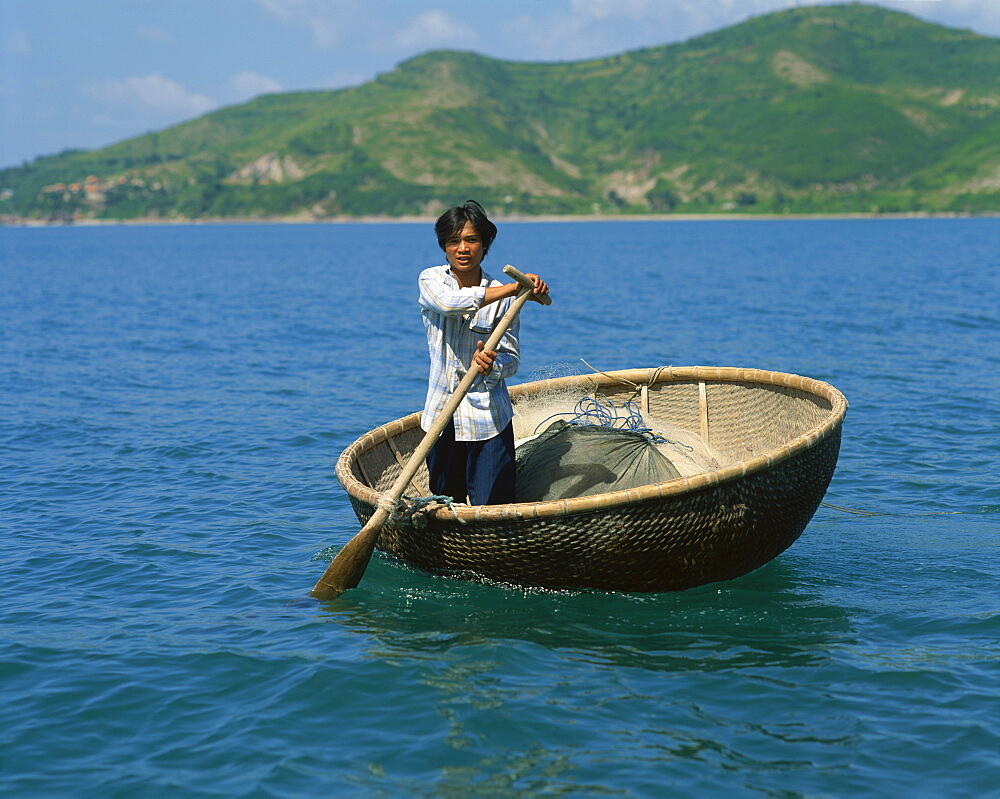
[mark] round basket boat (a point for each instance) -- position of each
(779, 435)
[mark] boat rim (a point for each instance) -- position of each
(630, 496)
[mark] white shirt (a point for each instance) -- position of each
(454, 320)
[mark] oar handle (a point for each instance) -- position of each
(525, 281)
(347, 568)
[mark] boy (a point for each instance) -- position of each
(460, 305)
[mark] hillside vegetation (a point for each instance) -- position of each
(846, 108)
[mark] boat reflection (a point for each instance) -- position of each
(767, 618)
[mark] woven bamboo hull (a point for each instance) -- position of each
(781, 431)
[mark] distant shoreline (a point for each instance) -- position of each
(347, 220)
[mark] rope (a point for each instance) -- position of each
(857, 512)
(653, 377)
(413, 511)
(603, 412)
(621, 380)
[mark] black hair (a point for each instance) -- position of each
(451, 222)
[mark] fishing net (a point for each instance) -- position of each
(572, 446)
(685, 448)
(577, 460)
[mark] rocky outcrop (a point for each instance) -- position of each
(269, 168)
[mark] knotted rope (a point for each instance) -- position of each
(413, 511)
(604, 412)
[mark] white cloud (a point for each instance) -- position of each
(554, 29)
(18, 44)
(327, 22)
(344, 78)
(248, 84)
(154, 34)
(591, 28)
(107, 121)
(701, 17)
(435, 28)
(603, 9)
(980, 15)
(577, 29)
(150, 92)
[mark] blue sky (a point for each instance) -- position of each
(86, 73)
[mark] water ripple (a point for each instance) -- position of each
(169, 427)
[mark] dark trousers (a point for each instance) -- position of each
(481, 470)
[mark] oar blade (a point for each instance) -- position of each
(346, 570)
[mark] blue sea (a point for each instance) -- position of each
(172, 403)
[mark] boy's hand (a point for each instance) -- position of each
(541, 287)
(484, 358)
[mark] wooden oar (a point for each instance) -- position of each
(347, 569)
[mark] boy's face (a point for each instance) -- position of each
(464, 250)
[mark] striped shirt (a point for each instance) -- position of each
(454, 320)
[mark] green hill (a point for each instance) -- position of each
(821, 109)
